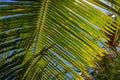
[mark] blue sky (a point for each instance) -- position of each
(5, 0)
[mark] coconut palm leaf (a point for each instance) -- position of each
(53, 39)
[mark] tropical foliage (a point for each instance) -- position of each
(59, 39)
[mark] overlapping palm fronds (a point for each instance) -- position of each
(53, 39)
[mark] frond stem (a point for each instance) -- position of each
(40, 23)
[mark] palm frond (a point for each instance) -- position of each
(66, 35)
